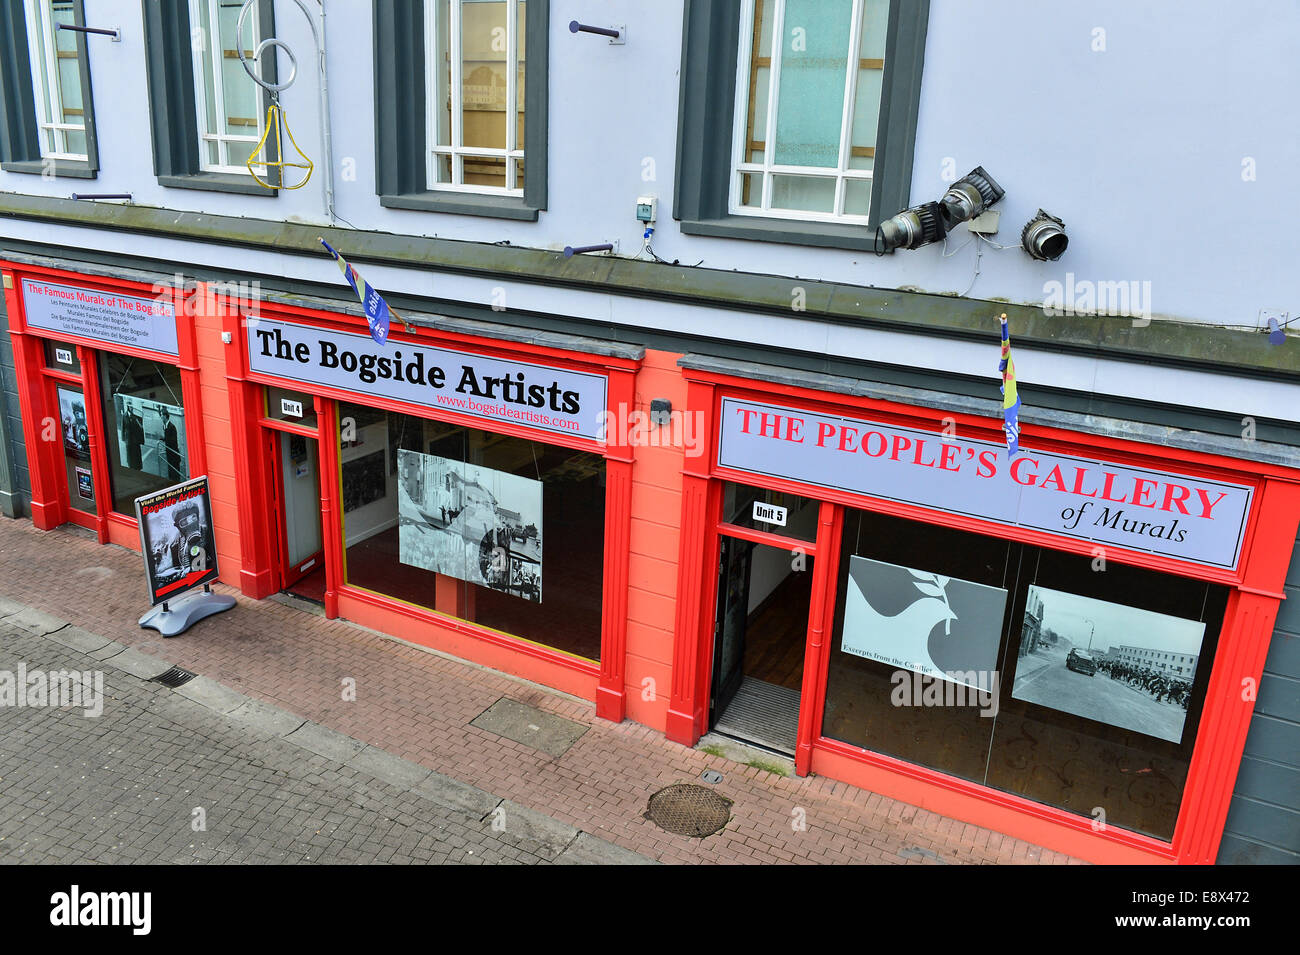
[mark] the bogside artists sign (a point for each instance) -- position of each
(553, 399)
(103, 316)
(1188, 518)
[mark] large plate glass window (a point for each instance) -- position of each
(146, 424)
(503, 532)
(228, 101)
(475, 51)
(808, 96)
(56, 80)
(1021, 668)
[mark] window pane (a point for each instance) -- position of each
(857, 197)
(440, 58)
(76, 448)
(62, 356)
(760, 71)
(239, 93)
(751, 189)
(502, 532)
(803, 193)
(145, 418)
(281, 403)
(520, 34)
(800, 517)
(483, 75)
(814, 66)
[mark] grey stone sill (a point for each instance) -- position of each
(829, 235)
(217, 182)
(62, 168)
(467, 204)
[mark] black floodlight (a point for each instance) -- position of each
(968, 197)
(911, 228)
(1043, 237)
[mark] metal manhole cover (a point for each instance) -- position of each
(689, 810)
(176, 676)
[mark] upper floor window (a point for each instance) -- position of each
(797, 118)
(56, 80)
(228, 101)
(456, 142)
(808, 103)
(475, 51)
(47, 122)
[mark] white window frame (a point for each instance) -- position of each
(42, 48)
(208, 55)
(435, 151)
(841, 174)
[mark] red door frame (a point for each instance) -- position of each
(272, 428)
(50, 506)
(603, 681)
(1257, 589)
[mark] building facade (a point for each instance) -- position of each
(734, 464)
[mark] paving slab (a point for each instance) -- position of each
(75, 638)
(266, 718)
(553, 735)
(591, 850)
(454, 794)
(211, 694)
(389, 768)
(325, 742)
(139, 664)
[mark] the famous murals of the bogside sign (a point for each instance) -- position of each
(177, 539)
(938, 626)
(1108, 662)
(539, 396)
(1180, 516)
(470, 522)
(148, 323)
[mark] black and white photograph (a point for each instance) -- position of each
(177, 539)
(76, 436)
(1104, 661)
(471, 523)
(151, 436)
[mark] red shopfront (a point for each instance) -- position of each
(109, 387)
(448, 488)
(1062, 645)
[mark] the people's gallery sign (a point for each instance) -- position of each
(540, 396)
(1188, 518)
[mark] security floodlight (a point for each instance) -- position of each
(911, 228)
(1044, 237)
(968, 197)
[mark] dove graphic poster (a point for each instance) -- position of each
(938, 626)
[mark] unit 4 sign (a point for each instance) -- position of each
(1180, 516)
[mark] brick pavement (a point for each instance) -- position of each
(418, 705)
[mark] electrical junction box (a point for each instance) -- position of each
(986, 223)
(647, 208)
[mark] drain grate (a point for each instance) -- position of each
(689, 810)
(176, 676)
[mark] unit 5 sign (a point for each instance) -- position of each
(1180, 516)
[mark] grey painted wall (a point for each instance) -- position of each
(1264, 819)
(15, 482)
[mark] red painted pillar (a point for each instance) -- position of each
(331, 505)
(611, 692)
(42, 432)
(97, 438)
(812, 698)
(696, 578)
(1234, 683)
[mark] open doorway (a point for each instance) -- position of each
(301, 543)
(764, 593)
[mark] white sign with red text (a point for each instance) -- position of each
(102, 316)
(1179, 516)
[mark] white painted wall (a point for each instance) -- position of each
(1139, 147)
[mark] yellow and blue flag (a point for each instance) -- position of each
(377, 311)
(1010, 399)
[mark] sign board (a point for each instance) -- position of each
(63, 356)
(103, 316)
(177, 540)
(1187, 518)
(769, 514)
(538, 396)
(290, 409)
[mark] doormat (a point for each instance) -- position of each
(526, 724)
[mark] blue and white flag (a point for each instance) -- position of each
(377, 312)
(1010, 396)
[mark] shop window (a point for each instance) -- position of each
(47, 123)
(1020, 668)
(145, 418)
(472, 137)
(206, 112)
(798, 118)
(788, 515)
(499, 531)
(292, 406)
